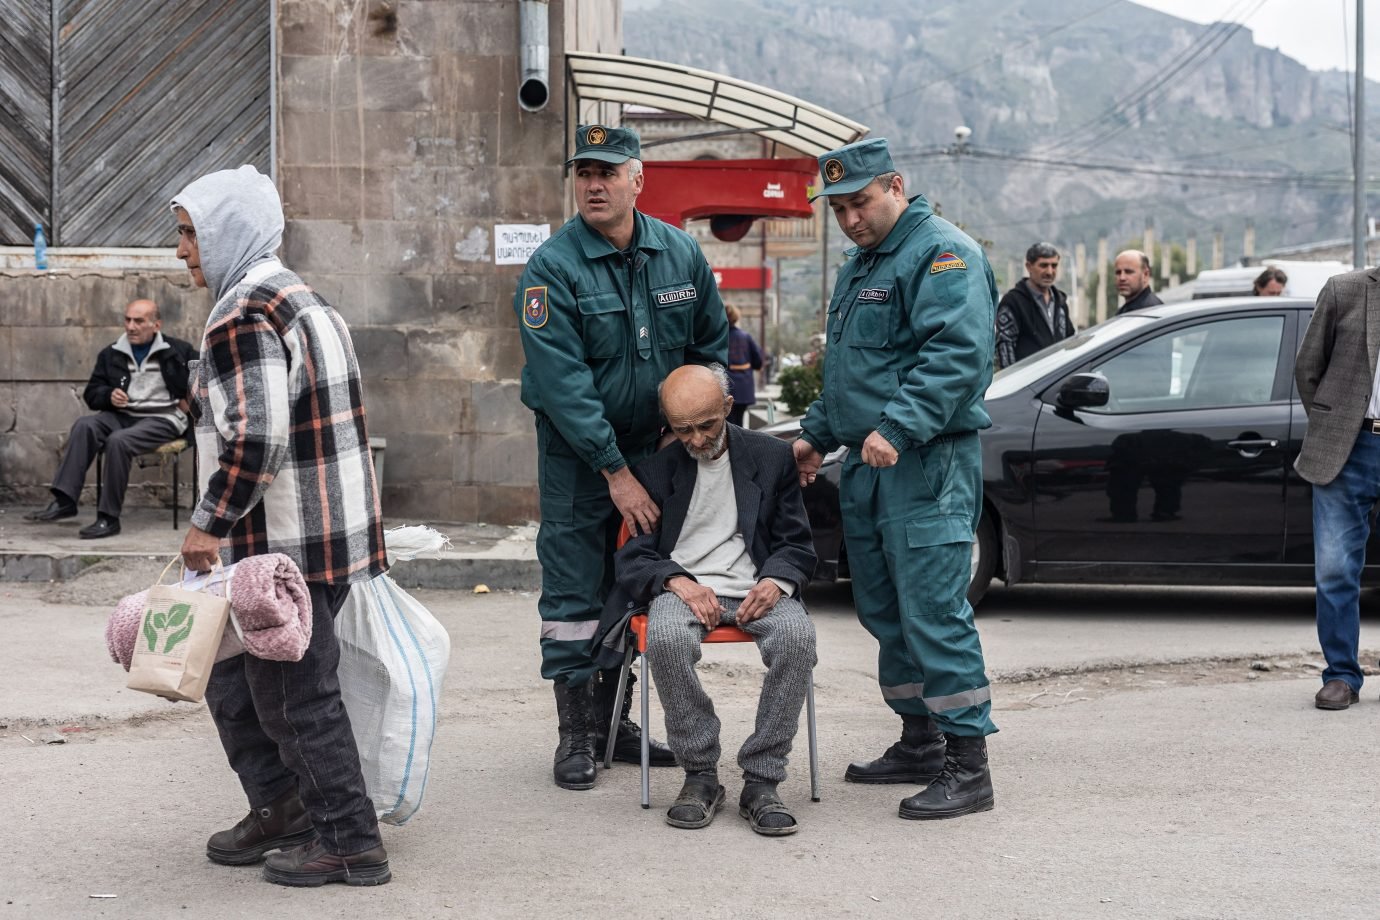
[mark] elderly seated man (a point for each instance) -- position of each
(139, 391)
(733, 547)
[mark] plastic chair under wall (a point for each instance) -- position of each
(638, 626)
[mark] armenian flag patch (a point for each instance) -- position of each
(946, 261)
(534, 311)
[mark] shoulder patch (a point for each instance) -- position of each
(946, 261)
(874, 295)
(534, 307)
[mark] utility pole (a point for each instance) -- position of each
(961, 135)
(1358, 146)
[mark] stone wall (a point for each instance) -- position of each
(400, 145)
(54, 324)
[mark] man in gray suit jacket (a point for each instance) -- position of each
(1336, 377)
(733, 548)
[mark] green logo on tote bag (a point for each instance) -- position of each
(171, 627)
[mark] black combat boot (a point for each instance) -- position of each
(279, 825)
(627, 746)
(916, 758)
(964, 788)
(574, 765)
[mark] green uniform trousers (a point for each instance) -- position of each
(909, 534)
(575, 546)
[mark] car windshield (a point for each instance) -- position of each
(1048, 360)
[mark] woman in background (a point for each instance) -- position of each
(744, 358)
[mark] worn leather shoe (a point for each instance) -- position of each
(57, 510)
(1336, 694)
(275, 826)
(105, 526)
(311, 866)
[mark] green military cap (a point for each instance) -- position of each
(850, 168)
(611, 145)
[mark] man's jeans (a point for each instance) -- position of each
(1341, 527)
(284, 727)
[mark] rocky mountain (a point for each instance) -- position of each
(1088, 117)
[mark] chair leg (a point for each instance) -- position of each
(814, 742)
(176, 464)
(100, 459)
(646, 733)
(618, 704)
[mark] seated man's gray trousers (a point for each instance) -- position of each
(786, 639)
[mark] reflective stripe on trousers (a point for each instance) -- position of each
(938, 703)
(578, 631)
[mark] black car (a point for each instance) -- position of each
(1154, 448)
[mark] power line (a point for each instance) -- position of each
(1315, 180)
(1115, 119)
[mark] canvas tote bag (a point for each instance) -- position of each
(178, 640)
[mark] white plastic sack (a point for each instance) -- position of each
(393, 657)
(413, 540)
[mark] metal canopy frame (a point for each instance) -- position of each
(786, 120)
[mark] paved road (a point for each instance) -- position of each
(1134, 789)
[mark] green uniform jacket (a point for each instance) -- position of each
(910, 337)
(600, 332)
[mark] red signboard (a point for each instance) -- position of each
(681, 190)
(756, 278)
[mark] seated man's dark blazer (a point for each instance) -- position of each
(771, 518)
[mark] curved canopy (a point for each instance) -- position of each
(789, 121)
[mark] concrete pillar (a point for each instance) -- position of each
(1217, 249)
(1192, 267)
(1013, 272)
(1148, 247)
(1248, 242)
(1078, 285)
(1100, 302)
(1166, 260)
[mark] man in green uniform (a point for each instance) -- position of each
(909, 356)
(609, 306)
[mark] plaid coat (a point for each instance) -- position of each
(282, 453)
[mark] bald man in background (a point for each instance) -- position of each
(139, 391)
(1132, 271)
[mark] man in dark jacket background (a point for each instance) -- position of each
(1132, 271)
(139, 391)
(1034, 313)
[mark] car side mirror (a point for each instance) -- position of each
(1084, 391)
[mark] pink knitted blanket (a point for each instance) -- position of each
(268, 599)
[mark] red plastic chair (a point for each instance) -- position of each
(638, 626)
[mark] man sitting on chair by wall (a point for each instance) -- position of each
(139, 391)
(733, 548)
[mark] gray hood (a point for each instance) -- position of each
(238, 218)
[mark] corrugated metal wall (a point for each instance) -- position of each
(151, 95)
(25, 117)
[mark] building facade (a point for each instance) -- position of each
(401, 153)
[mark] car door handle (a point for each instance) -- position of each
(1253, 447)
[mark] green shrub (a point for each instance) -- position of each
(800, 386)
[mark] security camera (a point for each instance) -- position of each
(962, 133)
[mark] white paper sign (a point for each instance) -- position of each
(515, 243)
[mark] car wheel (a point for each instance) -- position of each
(984, 559)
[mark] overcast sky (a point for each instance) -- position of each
(1310, 31)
